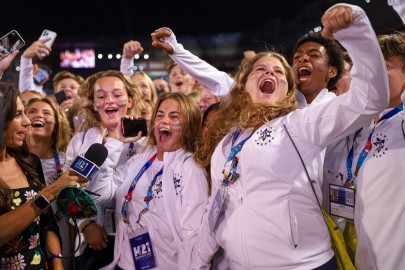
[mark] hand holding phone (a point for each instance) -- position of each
(131, 127)
(46, 34)
(9, 43)
(42, 76)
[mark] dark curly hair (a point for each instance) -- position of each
(333, 50)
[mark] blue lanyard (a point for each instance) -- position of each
(149, 195)
(58, 166)
(369, 145)
(349, 161)
(231, 176)
(128, 197)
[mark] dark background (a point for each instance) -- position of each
(217, 31)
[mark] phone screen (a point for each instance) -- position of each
(9, 43)
(60, 97)
(130, 128)
(42, 75)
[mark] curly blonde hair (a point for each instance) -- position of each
(238, 108)
(61, 134)
(86, 92)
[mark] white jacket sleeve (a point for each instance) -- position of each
(217, 82)
(103, 183)
(399, 7)
(126, 66)
(26, 80)
(194, 197)
(330, 121)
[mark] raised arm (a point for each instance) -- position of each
(369, 91)
(217, 82)
(131, 48)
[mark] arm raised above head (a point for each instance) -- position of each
(217, 82)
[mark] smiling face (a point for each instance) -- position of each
(111, 101)
(16, 131)
(42, 119)
(167, 127)
(180, 81)
(267, 82)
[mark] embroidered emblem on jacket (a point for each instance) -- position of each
(265, 136)
(379, 143)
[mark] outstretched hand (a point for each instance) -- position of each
(5, 62)
(158, 39)
(335, 19)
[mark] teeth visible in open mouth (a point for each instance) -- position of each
(111, 109)
(304, 71)
(37, 124)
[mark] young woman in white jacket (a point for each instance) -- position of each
(263, 211)
(106, 97)
(164, 192)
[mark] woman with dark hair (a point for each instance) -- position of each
(29, 236)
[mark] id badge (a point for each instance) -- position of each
(341, 201)
(142, 251)
(217, 205)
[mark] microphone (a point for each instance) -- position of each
(75, 202)
(89, 165)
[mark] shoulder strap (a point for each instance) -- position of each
(317, 200)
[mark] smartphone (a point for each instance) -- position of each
(48, 34)
(60, 97)
(130, 128)
(42, 75)
(9, 43)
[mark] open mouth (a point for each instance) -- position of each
(164, 135)
(267, 86)
(178, 83)
(37, 124)
(110, 111)
(304, 73)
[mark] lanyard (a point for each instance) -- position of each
(58, 166)
(349, 161)
(149, 195)
(232, 162)
(128, 197)
(369, 145)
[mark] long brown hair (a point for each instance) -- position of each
(20, 154)
(238, 109)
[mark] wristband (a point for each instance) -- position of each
(55, 256)
(85, 226)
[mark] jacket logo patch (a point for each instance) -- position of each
(380, 141)
(264, 136)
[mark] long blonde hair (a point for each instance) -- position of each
(238, 109)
